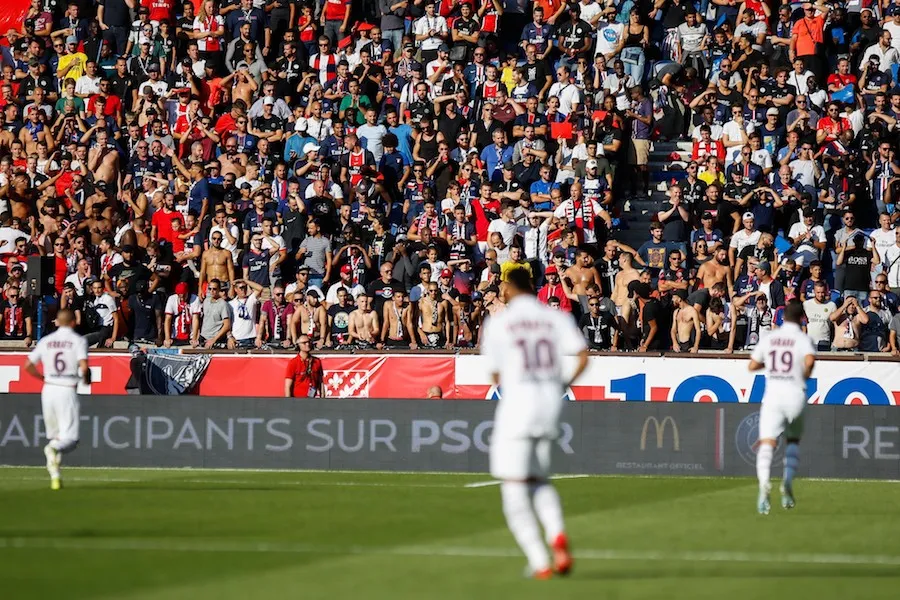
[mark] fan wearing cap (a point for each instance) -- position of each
(268, 126)
(345, 283)
(558, 288)
(748, 235)
(71, 64)
(182, 317)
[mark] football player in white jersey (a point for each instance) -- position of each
(788, 357)
(63, 355)
(525, 346)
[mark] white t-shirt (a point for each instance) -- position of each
(568, 95)
(608, 37)
(245, 312)
(883, 240)
(589, 11)
(426, 23)
(87, 85)
(355, 291)
(742, 239)
(59, 353)
(527, 344)
(227, 245)
(618, 87)
(818, 326)
(806, 251)
(8, 237)
(803, 171)
(78, 281)
(267, 246)
(331, 187)
(105, 307)
(507, 230)
(783, 352)
(182, 320)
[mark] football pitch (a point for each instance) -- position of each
(129, 534)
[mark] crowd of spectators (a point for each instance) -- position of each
(364, 172)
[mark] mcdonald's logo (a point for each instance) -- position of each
(660, 432)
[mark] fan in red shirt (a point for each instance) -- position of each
(480, 207)
(161, 222)
(160, 10)
(304, 377)
(554, 287)
(843, 77)
(832, 125)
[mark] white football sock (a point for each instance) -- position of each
(548, 508)
(764, 465)
(523, 524)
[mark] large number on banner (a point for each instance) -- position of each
(856, 387)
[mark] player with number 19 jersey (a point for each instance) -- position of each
(783, 353)
(526, 344)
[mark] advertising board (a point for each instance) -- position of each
(629, 378)
(419, 435)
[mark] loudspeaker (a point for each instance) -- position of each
(40, 279)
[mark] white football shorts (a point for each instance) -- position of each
(518, 459)
(61, 412)
(781, 415)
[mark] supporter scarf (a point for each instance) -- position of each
(581, 215)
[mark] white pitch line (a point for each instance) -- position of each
(481, 484)
(337, 472)
(248, 482)
(222, 546)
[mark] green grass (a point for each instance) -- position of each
(128, 534)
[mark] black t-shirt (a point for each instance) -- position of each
(323, 209)
(536, 74)
(340, 323)
(143, 315)
(381, 292)
(134, 272)
(693, 193)
(115, 13)
(857, 269)
(451, 127)
(607, 269)
(466, 27)
(761, 254)
(652, 312)
(575, 33)
(700, 297)
(598, 331)
(267, 124)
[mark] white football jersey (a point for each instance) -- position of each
(783, 352)
(526, 344)
(59, 353)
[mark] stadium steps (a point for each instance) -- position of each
(663, 168)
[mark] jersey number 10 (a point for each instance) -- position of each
(537, 356)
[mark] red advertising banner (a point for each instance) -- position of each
(346, 376)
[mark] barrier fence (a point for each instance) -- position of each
(631, 378)
(420, 435)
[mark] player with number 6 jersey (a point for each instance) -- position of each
(525, 347)
(788, 356)
(63, 356)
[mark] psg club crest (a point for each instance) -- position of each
(746, 440)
